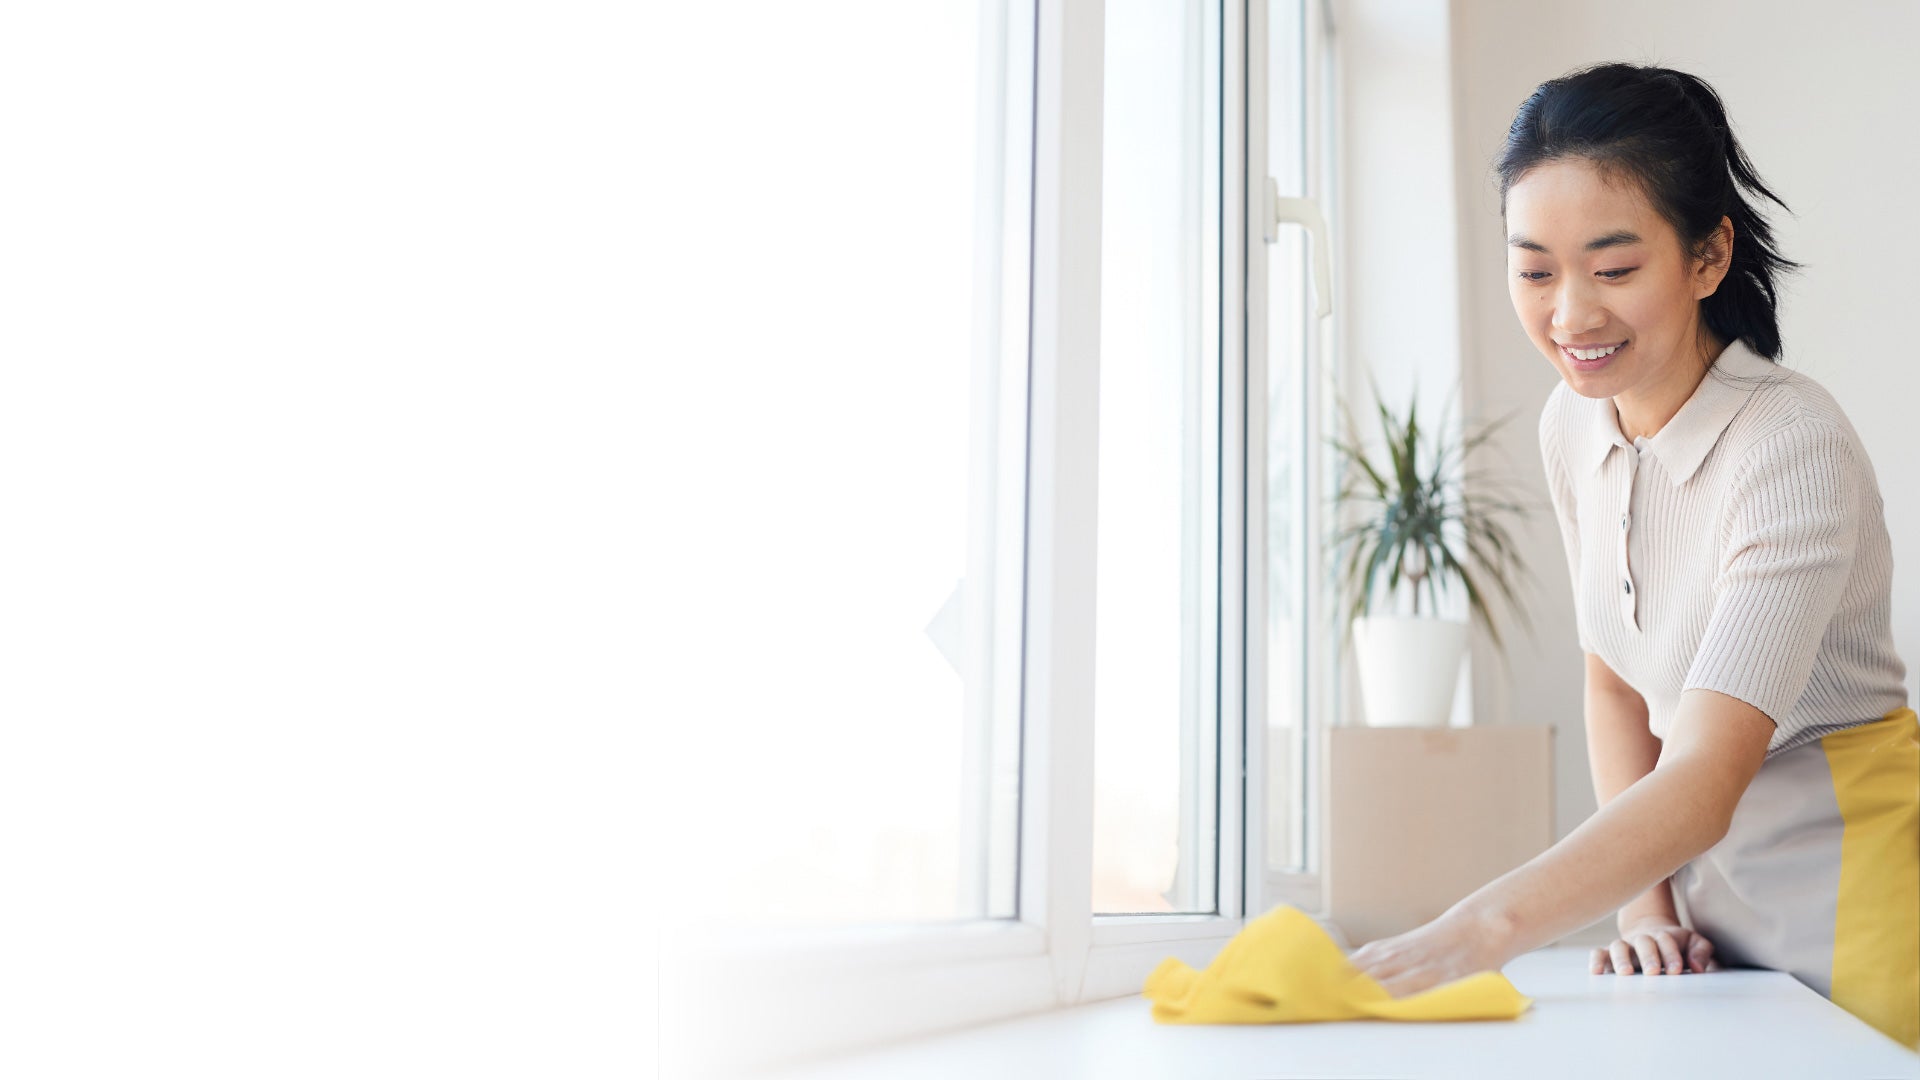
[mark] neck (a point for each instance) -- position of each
(1645, 409)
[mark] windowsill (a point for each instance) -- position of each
(1730, 1022)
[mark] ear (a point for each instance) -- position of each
(1711, 270)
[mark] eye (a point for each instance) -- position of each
(1614, 275)
(1524, 275)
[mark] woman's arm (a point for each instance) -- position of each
(1621, 749)
(1643, 834)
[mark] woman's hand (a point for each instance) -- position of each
(1450, 947)
(1657, 946)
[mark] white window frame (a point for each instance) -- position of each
(1321, 659)
(792, 997)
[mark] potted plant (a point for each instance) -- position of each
(1418, 528)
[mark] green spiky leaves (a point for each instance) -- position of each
(1418, 525)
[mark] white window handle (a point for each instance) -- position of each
(1305, 213)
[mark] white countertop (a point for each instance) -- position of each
(1746, 1023)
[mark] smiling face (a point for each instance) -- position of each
(1593, 267)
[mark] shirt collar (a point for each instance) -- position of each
(1682, 443)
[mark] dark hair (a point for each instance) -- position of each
(1668, 131)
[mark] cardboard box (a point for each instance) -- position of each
(1419, 818)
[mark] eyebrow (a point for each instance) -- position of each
(1616, 238)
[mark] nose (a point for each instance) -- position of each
(1576, 308)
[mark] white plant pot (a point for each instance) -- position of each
(1409, 666)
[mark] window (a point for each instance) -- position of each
(1023, 469)
(865, 724)
(1158, 712)
(1297, 677)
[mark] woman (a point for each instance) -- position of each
(1753, 753)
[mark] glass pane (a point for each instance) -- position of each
(1156, 739)
(1286, 450)
(857, 728)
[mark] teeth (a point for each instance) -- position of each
(1593, 354)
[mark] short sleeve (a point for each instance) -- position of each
(1560, 490)
(1789, 527)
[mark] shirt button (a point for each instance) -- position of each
(1623, 521)
(1629, 585)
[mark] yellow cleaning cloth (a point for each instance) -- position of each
(1283, 968)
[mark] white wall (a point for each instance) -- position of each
(1397, 294)
(1829, 126)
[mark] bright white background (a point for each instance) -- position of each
(320, 381)
(813, 426)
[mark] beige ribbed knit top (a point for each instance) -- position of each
(1741, 548)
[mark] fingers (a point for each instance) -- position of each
(1669, 959)
(1700, 954)
(1646, 950)
(1621, 954)
(1653, 954)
